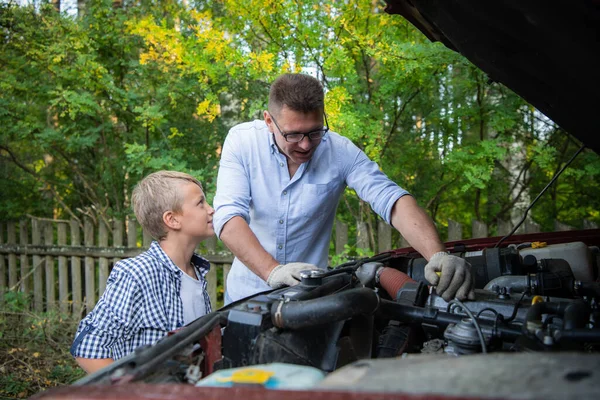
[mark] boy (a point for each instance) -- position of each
(159, 290)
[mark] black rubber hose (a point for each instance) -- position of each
(411, 314)
(590, 289)
(335, 307)
(580, 335)
(394, 340)
(574, 314)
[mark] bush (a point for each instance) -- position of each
(34, 349)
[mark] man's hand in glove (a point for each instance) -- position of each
(287, 274)
(455, 279)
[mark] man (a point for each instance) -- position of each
(278, 187)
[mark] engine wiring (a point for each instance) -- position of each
(515, 309)
(475, 323)
(554, 178)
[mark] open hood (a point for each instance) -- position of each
(547, 51)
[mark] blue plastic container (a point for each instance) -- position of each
(270, 376)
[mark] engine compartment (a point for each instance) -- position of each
(531, 298)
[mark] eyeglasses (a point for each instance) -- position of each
(298, 137)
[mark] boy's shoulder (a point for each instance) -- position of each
(142, 265)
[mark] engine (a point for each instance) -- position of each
(528, 299)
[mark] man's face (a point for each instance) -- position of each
(290, 121)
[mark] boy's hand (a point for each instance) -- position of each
(288, 274)
(455, 278)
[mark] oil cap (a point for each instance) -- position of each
(311, 277)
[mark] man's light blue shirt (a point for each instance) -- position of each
(292, 218)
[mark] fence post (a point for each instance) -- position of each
(90, 270)
(76, 270)
(454, 231)
(103, 261)
(504, 227)
(38, 273)
(341, 236)
(362, 237)
(587, 224)
(63, 273)
(480, 229)
(226, 269)
(23, 241)
(211, 277)
(384, 236)
(403, 242)
(559, 226)
(11, 238)
(2, 266)
(146, 239)
(131, 232)
(531, 227)
(117, 236)
(50, 282)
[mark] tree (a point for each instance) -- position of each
(93, 103)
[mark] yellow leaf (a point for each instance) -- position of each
(36, 354)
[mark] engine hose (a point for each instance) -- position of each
(581, 335)
(574, 314)
(335, 307)
(394, 340)
(589, 289)
(411, 314)
(392, 280)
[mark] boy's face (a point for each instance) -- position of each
(196, 213)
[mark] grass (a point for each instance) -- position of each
(34, 349)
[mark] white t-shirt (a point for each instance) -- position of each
(192, 297)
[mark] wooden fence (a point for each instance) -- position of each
(59, 269)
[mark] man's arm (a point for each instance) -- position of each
(242, 242)
(450, 274)
(91, 365)
(416, 227)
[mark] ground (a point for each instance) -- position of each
(34, 349)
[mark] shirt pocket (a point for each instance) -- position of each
(318, 200)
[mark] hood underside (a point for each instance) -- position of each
(548, 51)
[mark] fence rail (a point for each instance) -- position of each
(60, 269)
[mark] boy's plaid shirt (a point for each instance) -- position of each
(140, 305)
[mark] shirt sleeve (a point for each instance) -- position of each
(233, 184)
(371, 185)
(113, 320)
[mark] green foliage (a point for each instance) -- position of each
(34, 350)
(350, 253)
(91, 104)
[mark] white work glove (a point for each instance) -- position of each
(455, 279)
(288, 274)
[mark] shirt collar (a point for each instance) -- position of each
(201, 264)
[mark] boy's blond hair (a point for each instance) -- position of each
(156, 194)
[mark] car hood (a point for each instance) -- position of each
(546, 51)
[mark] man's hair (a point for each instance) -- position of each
(299, 92)
(156, 194)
